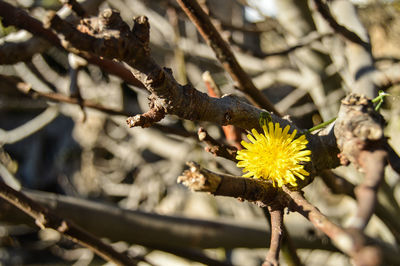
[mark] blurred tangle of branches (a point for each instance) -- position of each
(65, 143)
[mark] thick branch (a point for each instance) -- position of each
(232, 134)
(183, 101)
(361, 141)
(352, 243)
(46, 219)
(160, 231)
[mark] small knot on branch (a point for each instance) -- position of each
(111, 19)
(147, 119)
(141, 29)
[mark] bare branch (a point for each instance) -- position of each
(264, 194)
(254, 190)
(183, 101)
(361, 141)
(19, 18)
(339, 185)
(323, 9)
(373, 163)
(224, 53)
(277, 230)
(352, 243)
(16, 82)
(393, 158)
(161, 231)
(46, 219)
(216, 148)
(232, 134)
(147, 119)
(306, 41)
(76, 7)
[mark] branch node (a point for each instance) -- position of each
(195, 179)
(147, 119)
(141, 29)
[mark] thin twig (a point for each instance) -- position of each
(323, 9)
(30, 127)
(216, 148)
(393, 158)
(306, 41)
(352, 243)
(224, 53)
(277, 230)
(57, 97)
(288, 249)
(384, 210)
(76, 7)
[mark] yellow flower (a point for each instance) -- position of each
(274, 155)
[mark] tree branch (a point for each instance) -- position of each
(232, 134)
(352, 243)
(76, 7)
(19, 18)
(183, 101)
(254, 190)
(160, 231)
(224, 54)
(323, 9)
(339, 185)
(46, 219)
(216, 148)
(361, 141)
(373, 163)
(277, 229)
(356, 245)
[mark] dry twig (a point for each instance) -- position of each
(224, 53)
